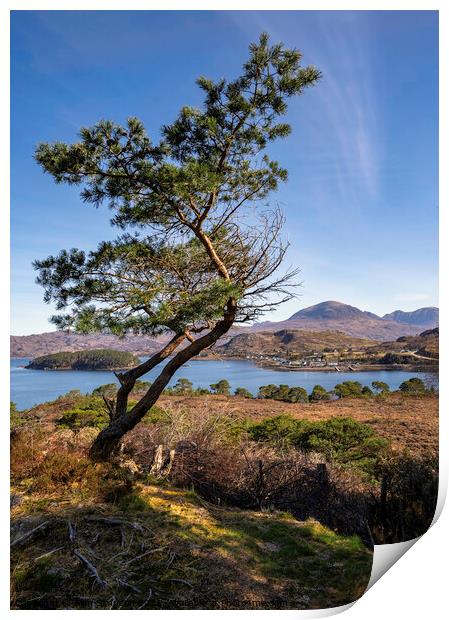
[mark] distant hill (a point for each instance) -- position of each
(336, 316)
(93, 359)
(331, 310)
(423, 316)
(54, 342)
(425, 344)
(328, 316)
(291, 341)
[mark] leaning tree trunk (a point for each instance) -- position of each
(109, 439)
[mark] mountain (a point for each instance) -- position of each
(336, 316)
(36, 345)
(332, 310)
(423, 316)
(291, 341)
(328, 316)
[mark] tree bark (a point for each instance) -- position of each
(108, 440)
(128, 379)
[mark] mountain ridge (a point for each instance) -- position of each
(332, 316)
(420, 316)
(337, 316)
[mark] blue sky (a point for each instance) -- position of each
(362, 197)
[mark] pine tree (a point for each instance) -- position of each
(195, 255)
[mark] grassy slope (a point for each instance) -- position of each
(411, 422)
(194, 555)
(199, 555)
(295, 340)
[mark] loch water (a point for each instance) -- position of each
(30, 387)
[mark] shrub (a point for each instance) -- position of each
(318, 394)
(141, 386)
(156, 415)
(284, 393)
(109, 390)
(70, 395)
(201, 391)
(89, 411)
(380, 387)
(221, 387)
(282, 428)
(349, 389)
(267, 391)
(15, 419)
(413, 386)
(367, 391)
(296, 395)
(342, 439)
(182, 387)
(240, 391)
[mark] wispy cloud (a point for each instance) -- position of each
(347, 131)
(348, 97)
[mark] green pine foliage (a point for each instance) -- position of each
(194, 183)
(243, 392)
(92, 412)
(196, 254)
(284, 393)
(349, 389)
(380, 387)
(342, 439)
(413, 386)
(221, 387)
(318, 394)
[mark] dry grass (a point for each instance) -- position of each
(160, 548)
(409, 422)
(193, 554)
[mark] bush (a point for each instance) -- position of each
(380, 387)
(182, 387)
(89, 411)
(141, 386)
(240, 391)
(318, 394)
(342, 439)
(413, 386)
(201, 391)
(109, 390)
(284, 393)
(349, 389)
(221, 387)
(267, 391)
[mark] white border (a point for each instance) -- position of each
(415, 586)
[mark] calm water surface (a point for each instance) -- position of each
(29, 387)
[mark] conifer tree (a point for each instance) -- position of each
(199, 249)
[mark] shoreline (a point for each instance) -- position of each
(76, 369)
(267, 365)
